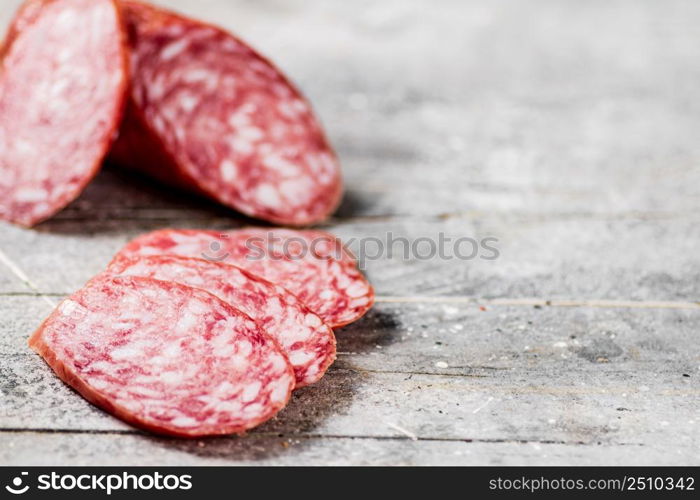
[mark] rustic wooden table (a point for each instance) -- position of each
(569, 131)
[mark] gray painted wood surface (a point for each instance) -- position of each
(569, 131)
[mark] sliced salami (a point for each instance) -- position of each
(334, 289)
(208, 113)
(306, 340)
(63, 79)
(166, 357)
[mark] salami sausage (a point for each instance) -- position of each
(63, 80)
(166, 357)
(305, 339)
(208, 113)
(332, 288)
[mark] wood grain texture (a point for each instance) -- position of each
(568, 131)
(549, 257)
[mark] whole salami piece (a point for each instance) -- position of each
(165, 357)
(305, 339)
(332, 288)
(209, 114)
(63, 80)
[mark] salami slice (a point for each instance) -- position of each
(334, 289)
(305, 339)
(63, 79)
(166, 357)
(208, 113)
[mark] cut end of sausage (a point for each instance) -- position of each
(220, 119)
(63, 80)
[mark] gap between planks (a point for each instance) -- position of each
(151, 214)
(505, 301)
(531, 302)
(274, 435)
(22, 276)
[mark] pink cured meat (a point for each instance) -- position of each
(305, 339)
(165, 357)
(63, 80)
(333, 289)
(207, 113)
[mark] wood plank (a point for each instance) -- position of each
(449, 373)
(546, 258)
(616, 407)
(19, 448)
(9, 282)
(549, 257)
